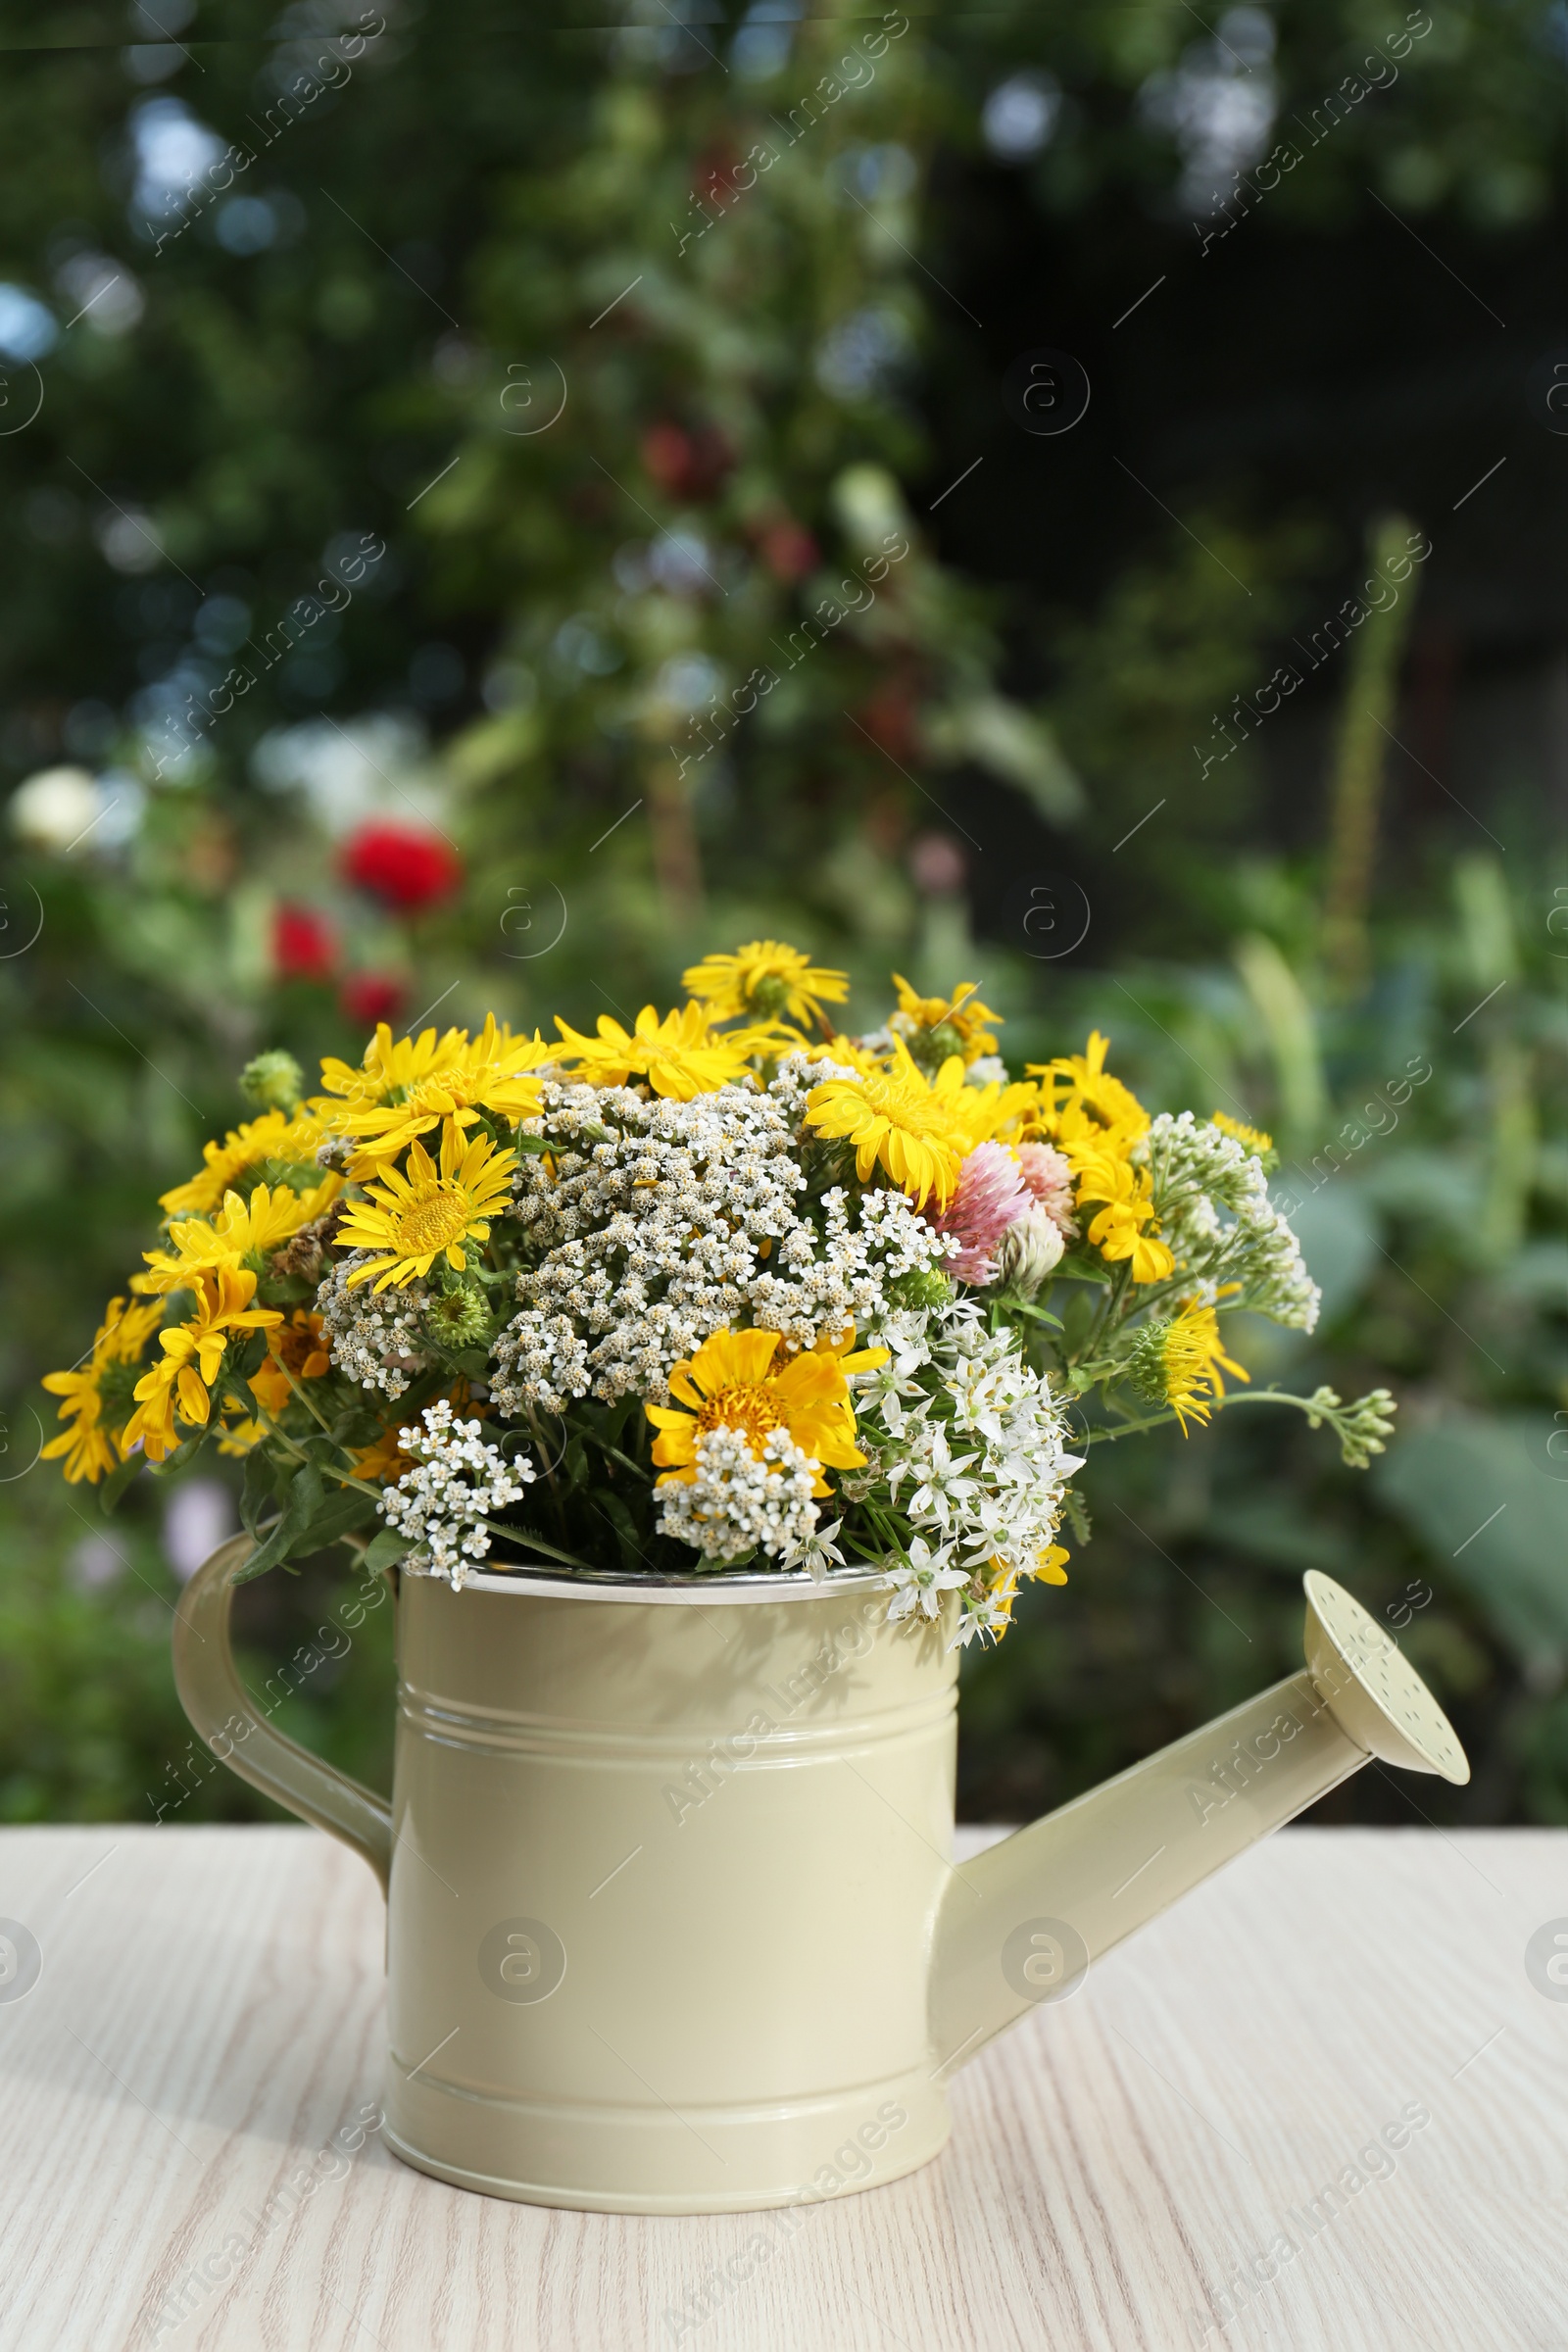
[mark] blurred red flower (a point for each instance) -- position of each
(890, 717)
(403, 867)
(686, 465)
(303, 945)
(788, 549)
(713, 175)
(373, 997)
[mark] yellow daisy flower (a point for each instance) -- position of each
(417, 1216)
(193, 1353)
(242, 1232)
(998, 1113)
(730, 1383)
(239, 1437)
(406, 1089)
(1253, 1137)
(680, 1055)
(389, 1069)
(963, 1012)
(1095, 1126)
(93, 1439)
(383, 1463)
(277, 1137)
(912, 1124)
(766, 977)
(1091, 1092)
(855, 1055)
(1184, 1358)
(1117, 1231)
(295, 1347)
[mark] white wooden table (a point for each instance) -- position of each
(206, 2027)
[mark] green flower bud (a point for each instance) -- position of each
(1143, 1367)
(459, 1318)
(1362, 1428)
(924, 1289)
(769, 997)
(273, 1081)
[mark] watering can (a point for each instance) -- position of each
(673, 1923)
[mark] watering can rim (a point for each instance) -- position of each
(691, 1591)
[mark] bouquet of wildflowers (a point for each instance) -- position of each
(729, 1289)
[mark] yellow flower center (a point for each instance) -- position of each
(916, 1112)
(454, 1085)
(427, 1225)
(748, 1407)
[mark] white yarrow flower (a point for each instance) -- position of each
(458, 1481)
(737, 1504)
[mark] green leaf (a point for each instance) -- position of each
(1015, 746)
(609, 1506)
(1488, 1493)
(183, 1455)
(337, 1517)
(272, 1549)
(306, 1494)
(247, 1356)
(115, 1484)
(387, 1549)
(284, 1289)
(356, 1427)
(258, 1489)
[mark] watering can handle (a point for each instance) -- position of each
(231, 1722)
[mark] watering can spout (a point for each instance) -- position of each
(1021, 1923)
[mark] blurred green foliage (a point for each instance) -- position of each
(756, 292)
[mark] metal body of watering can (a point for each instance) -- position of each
(673, 1924)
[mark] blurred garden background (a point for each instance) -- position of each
(499, 392)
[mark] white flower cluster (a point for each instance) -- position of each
(374, 1339)
(850, 1281)
(683, 1223)
(737, 1502)
(972, 1445)
(456, 1482)
(1198, 1171)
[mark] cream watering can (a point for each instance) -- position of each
(671, 1923)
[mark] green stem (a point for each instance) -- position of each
(309, 1402)
(341, 1478)
(1127, 1429)
(525, 1535)
(1302, 1405)
(615, 1455)
(345, 1478)
(1111, 1312)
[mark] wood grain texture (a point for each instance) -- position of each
(209, 2016)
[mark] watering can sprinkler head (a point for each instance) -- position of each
(1022, 1921)
(1371, 1687)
